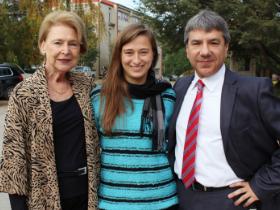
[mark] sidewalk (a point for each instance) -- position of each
(4, 201)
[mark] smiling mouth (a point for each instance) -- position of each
(137, 67)
(64, 60)
(205, 61)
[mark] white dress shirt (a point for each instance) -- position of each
(211, 166)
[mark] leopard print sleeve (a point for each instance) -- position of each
(13, 165)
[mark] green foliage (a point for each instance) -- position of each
(254, 26)
(90, 57)
(168, 19)
(92, 21)
(20, 22)
(176, 63)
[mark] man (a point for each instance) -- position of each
(224, 130)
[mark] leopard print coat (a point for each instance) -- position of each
(27, 165)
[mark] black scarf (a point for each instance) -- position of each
(153, 109)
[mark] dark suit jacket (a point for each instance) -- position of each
(250, 127)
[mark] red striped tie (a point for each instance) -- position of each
(190, 141)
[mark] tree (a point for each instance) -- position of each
(259, 33)
(168, 19)
(254, 26)
(176, 63)
(20, 22)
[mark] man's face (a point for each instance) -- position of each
(206, 51)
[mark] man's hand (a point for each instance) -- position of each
(244, 193)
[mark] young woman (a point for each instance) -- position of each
(132, 110)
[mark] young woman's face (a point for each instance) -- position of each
(62, 48)
(136, 59)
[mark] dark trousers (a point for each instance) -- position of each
(199, 200)
(75, 203)
(175, 207)
(18, 202)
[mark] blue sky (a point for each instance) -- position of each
(127, 3)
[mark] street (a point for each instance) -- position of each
(4, 201)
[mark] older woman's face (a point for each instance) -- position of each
(62, 48)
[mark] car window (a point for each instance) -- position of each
(4, 71)
(78, 68)
(86, 68)
(83, 68)
(18, 69)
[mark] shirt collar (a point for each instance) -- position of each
(211, 82)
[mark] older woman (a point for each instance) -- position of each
(50, 150)
(132, 110)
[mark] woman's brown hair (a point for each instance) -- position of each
(115, 90)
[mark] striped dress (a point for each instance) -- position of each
(132, 175)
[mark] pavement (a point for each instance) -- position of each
(4, 200)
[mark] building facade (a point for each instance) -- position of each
(115, 18)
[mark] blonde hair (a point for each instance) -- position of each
(70, 19)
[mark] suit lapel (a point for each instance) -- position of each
(180, 88)
(227, 101)
(180, 95)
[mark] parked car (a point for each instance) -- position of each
(86, 70)
(10, 76)
(30, 69)
(173, 77)
(166, 78)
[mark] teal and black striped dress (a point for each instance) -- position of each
(132, 175)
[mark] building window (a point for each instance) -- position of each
(122, 16)
(135, 20)
(110, 15)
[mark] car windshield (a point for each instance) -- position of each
(82, 68)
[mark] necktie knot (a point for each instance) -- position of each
(200, 84)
